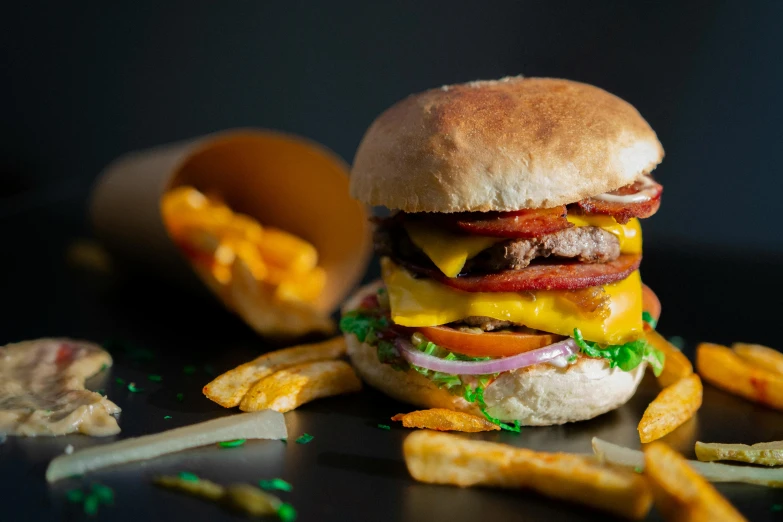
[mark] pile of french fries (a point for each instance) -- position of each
(285, 379)
(680, 398)
(269, 276)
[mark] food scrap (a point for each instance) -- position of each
(763, 453)
(385, 426)
(42, 389)
(275, 484)
(285, 379)
(243, 498)
(441, 419)
(678, 489)
(674, 405)
(232, 443)
(725, 369)
(96, 495)
(712, 471)
(258, 425)
(441, 458)
(263, 273)
(305, 438)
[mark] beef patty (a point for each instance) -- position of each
(587, 244)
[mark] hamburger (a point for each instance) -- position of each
(510, 259)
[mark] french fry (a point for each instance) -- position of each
(760, 356)
(291, 387)
(712, 471)
(287, 251)
(676, 365)
(441, 458)
(441, 419)
(673, 406)
(681, 493)
(229, 388)
(725, 369)
(302, 287)
(763, 453)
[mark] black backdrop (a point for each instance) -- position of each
(85, 81)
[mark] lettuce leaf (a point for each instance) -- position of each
(624, 356)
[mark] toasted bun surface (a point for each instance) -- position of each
(540, 395)
(503, 145)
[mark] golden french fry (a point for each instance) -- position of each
(763, 453)
(304, 287)
(725, 369)
(760, 356)
(229, 388)
(287, 251)
(291, 387)
(441, 419)
(673, 406)
(676, 365)
(441, 458)
(257, 305)
(681, 493)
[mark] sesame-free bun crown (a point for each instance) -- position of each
(506, 144)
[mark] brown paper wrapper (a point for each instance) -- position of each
(282, 180)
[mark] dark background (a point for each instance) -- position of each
(84, 82)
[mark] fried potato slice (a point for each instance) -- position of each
(681, 493)
(291, 387)
(760, 356)
(229, 388)
(712, 471)
(677, 365)
(441, 458)
(763, 453)
(725, 369)
(441, 419)
(673, 406)
(288, 251)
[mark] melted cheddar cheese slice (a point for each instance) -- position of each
(450, 251)
(424, 302)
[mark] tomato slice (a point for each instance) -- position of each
(487, 344)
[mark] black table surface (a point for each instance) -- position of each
(352, 470)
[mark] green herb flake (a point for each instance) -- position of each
(649, 319)
(119, 381)
(286, 512)
(232, 443)
(104, 493)
(167, 417)
(304, 438)
(572, 358)
(180, 397)
(75, 496)
(134, 389)
(91, 504)
(275, 484)
(187, 476)
(101, 391)
(638, 469)
(189, 369)
(477, 395)
(384, 427)
(154, 378)
(103, 367)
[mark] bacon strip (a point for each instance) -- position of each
(522, 224)
(622, 212)
(561, 276)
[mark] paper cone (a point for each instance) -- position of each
(281, 180)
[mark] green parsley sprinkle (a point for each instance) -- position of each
(103, 367)
(134, 389)
(180, 397)
(649, 319)
(384, 426)
(154, 378)
(776, 507)
(190, 477)
(104, 493)
(91, 504)
(101, 392)
(232, 443)
(119, 380)
(304, 439)
(189, 369)
(638, 469)
(276, 484)
(286, 512)
(75, 495)
(167, 416)
(284, 441)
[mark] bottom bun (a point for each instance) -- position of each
(539, 395)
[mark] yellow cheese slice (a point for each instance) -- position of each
(630, 234)
(449, 251)
(424, 302)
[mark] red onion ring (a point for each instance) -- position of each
(547, 353)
